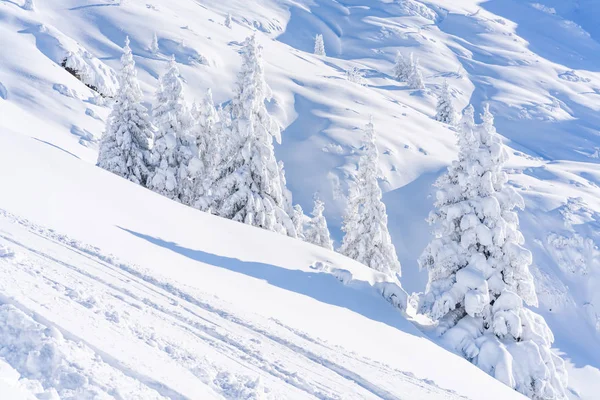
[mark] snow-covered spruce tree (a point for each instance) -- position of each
(415, 77)
(367, 239)
(126, 141)
(248, 187)
(209, 141)
(445, 108)
(228, 21)
(154, 45)
(402, 68)
(28, 5)
(285, 192)
(319, 45)
(317, 232)
(479, 272)
(172, 121)
(299, 220)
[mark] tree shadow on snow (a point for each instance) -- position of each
(320, 286)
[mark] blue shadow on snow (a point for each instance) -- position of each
(320, 286)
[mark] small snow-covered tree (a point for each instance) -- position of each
(479, 272)
(319, 45)
(209, 142)
(402, 68)
(154, 45)
(445, 108)
(228, 21)
(28, 5)
(286, 194)
(415, 77)
(299, 220)
(172, 120)
(248, 187)
(367, 239)
(317, 232)
(355, 75)
(125, 143)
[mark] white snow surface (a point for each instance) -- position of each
(181, 313)
(193, 306)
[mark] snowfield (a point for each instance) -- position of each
(184, 314)
(108, 290)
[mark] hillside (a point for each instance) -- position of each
(536, 63)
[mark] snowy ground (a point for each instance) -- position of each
(182, 314)
(537, 63)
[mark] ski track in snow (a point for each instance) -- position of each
(134, 304)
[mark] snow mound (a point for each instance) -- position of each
(63, 369)
(6, 251)
(386, 286)
(72, 56)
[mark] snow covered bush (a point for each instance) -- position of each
(355, 75)
(28, 5)
(126, 141)
(228, 21)
(367, 239)
(479, 274)
(319, 45)
(317, 232)
(445, 108)
(91, 71)
(248, 187)
(171, 151)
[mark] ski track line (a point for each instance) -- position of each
(94, 254)
(159, 387)
(240, 351)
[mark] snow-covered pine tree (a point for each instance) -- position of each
(126, 141)
(415, 77)
(172, 121)
(209, 141)
(402, 68)
(445, 108)
(479, 272)
(299, 220)
(154, 45)
(316, 231)
(248, 188)
(367, 239)
(28, 5)
(285, 192)
(228, 21)
(319, 45)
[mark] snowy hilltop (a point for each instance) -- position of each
(312, 199)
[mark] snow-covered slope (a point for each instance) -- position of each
(536, 63)
(194, 306)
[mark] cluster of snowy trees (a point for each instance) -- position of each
(409, 71)
(479, 279)
(404, 70)
(221, 161)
